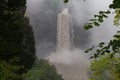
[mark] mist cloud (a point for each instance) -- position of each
(69, 57)
(72, 64)
(43, 18)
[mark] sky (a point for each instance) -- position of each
(43, 18)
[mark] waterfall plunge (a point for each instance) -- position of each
(70, 62)
(64, 31)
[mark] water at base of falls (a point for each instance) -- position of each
(72, 72)
(71, 64)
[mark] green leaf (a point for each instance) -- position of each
(86, 51)
(91, 48)
(96, 24)
(114, 49)
(87, 26)
(108, 12)
(90, 26)
(104, 15)
(91, 57)
(101, 44)
(111, 42)
(100, 12)
(117, 36)
(100, 19)
(108, 51)
(96, 16)
(65, 1)
(95, 55)
(98, 51)
(93, 20)
(103, 53)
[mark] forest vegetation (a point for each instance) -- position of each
(17, 46)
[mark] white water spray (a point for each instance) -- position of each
(64, 31)
(72, 63)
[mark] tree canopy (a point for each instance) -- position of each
(17, 46)
(42, 70)
(16, 40)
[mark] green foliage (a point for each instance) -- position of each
(16, 35)
(66, 1)
(106, 58)
(104, 14)
(9, 71)
(89, 49)
(28, 56)
(15, 4)
(115, 4)
(117, 17)
(112, 47)
(98, 19)
(42, 70)
(105, 67)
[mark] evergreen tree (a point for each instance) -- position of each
(16, 36)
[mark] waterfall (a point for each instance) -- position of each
(68, 60)
(64, 31)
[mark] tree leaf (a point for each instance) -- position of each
(101, 44)
(93, 20)
(103, 53)
(108, 51)
(100, 19)
(104, 15)
(86, 51)
(96, 24)
(95, 56)
(65, 1)
(86, 27)
(108, 12)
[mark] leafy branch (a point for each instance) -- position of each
(112, 47)
(116, 20)
(97, 20)
(99, 67)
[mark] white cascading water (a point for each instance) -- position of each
(64, 31)
(69, 61)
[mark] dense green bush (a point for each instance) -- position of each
(105, 68)
(42, 70)
(9, 71)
